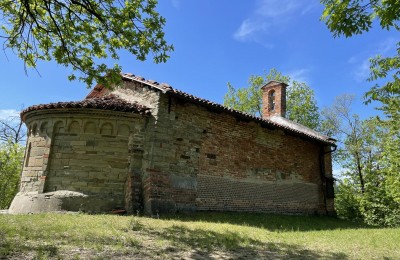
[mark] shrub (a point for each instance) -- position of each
(379, 208)
(347, 202)
(11, 157)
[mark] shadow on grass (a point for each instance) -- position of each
(9, 249)
(204, 244)
(271, 222)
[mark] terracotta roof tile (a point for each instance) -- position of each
(109, 102)
(283, 124)
(98, 91)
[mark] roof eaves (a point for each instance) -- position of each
(110, 103)
(163, 87)
(263, 121)
(166, 88)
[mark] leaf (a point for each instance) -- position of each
(80, 34)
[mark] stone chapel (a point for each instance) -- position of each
(148, 147)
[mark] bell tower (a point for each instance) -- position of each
(274, 99)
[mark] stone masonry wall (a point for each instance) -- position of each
(175, 143)
(90, 152)
(36, 157)
(170, 159)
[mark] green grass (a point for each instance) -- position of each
(198, 236)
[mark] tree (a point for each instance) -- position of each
(369, 186)
(347, 201)
(356, 17)
(12, 133)
(11, 157)
(348, 130)
(301, 106)
(381, 202)
(12, 130)
(80, 33)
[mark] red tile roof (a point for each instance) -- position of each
(98, 91)
(109, 102)
(286, 126)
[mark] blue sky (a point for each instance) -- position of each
(217, 42)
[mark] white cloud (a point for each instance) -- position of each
(270, 15)
(300, 75)
(8, 113)
(387, 45)
(176, 4)
(352, 60)
(362, 71)
(309, 6)
(276, 8)
(249, 28)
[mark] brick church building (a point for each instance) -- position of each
(148, 147)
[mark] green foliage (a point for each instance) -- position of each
(347, 201)
(249, 99)
(375, 207)
(80, 34)
(301, 106)
(379, 208)
(352, 17)
(11, 156)
(369, 156)
(388, 94)
(390, 160)
(379, 203)
(375, 141)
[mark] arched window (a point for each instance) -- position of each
(271, 100)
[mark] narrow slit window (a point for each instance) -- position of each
(271, 100)
(28, 155)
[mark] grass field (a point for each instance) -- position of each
(197, 236)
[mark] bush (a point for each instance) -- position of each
(376, 207)
(347, 202)
(11, 157)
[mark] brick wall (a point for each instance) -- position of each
(252, 161)
(278, 98)
(196, 159)
(224, 193)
